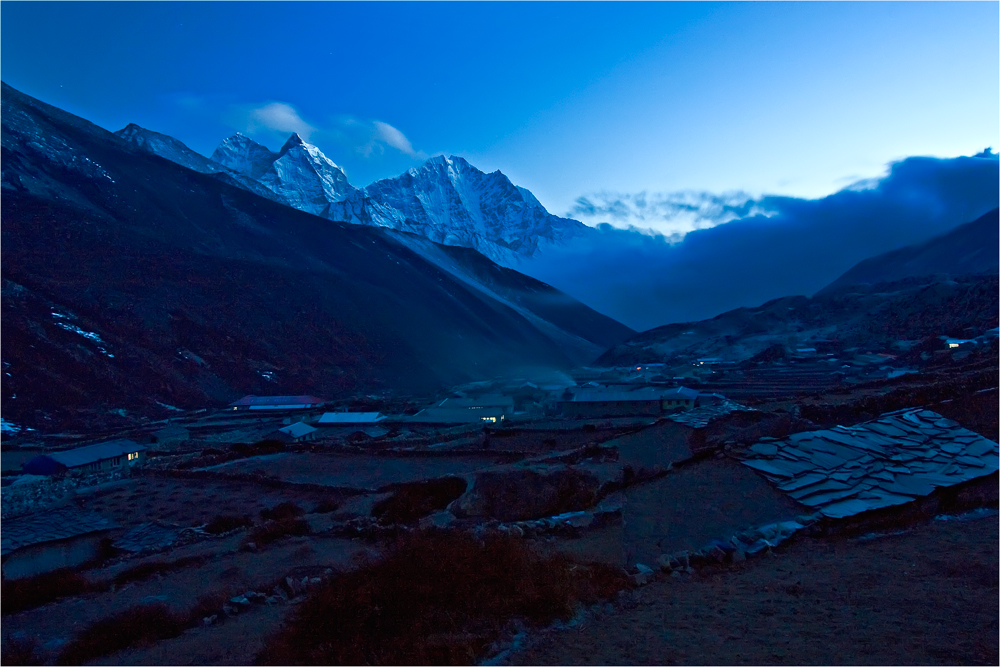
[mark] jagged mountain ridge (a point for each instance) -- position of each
(446, 200)
(450, 201)
(129, 280)
(174, 150)
(969, 248)
(305, 178)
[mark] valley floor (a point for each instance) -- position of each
(928, 595)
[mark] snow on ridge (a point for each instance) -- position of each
(446, 199)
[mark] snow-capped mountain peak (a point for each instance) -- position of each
(445, 199)
(306, 177)
(450, 201)
(241, 153)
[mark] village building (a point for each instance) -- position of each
(252, 402)
(593, 404)
(470, 415)
(679, 398)
(349, 418)
(493, 402)
(50, 540)
(101, 457)
(297, 432)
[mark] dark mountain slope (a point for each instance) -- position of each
(129, 280)
(970, 248)
(867, 317)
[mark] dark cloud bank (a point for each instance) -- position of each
(802, 245)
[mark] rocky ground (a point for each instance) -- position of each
(928, 595)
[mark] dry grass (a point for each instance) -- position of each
(440, 597)
(138, 625)
(410, 502)
(147, 570)
(275, 530)
(17, 651)
(21, 594)
(227, 522)
(286, 510)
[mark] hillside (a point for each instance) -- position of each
(130, 281)
(967, 249)
(856, 316)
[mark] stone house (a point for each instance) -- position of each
(101, 457)
(50, 540)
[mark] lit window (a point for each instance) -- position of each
(133, 456)
(952, 344)
(490, 419)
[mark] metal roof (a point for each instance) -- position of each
(681, 392)
(487, 401)
(298, 429)
(277, 400)
(57, 524)
(643, 395)
(74, 458)
(350, 418)
(456, 415)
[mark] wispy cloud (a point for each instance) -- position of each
(393, 137)
(273, 121)
(668, 213)
(799, 247)
(279, 117)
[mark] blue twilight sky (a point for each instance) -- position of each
(629, 106)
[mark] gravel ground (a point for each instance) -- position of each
(928, 595)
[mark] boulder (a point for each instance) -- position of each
(643, 575)
(294, 587)
(517, 493)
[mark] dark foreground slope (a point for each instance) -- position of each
(968, 249)
(927, 596)
(129, 280)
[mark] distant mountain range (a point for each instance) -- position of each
(640, 279)
(131, 282)
(968, 249)
(446, 199)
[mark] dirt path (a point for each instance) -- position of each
(926, 596)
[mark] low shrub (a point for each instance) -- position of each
(285, 510)
(410, 502)
(206, 605)
(326, 506)
(147, 570)
(268, 447)
(20, 651)
(227, 522)
(138, 625)
(275, 530)
(439, 597)
(20, 594)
